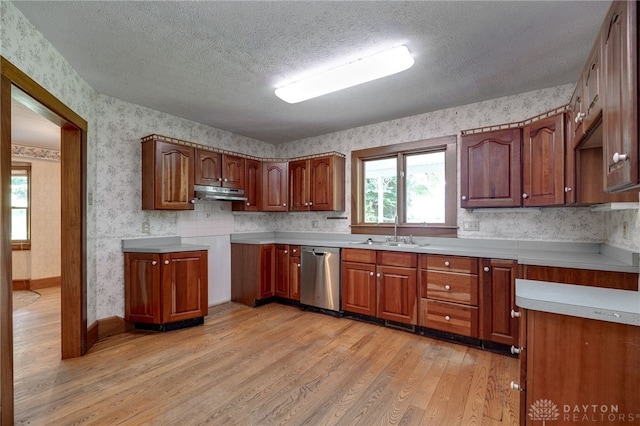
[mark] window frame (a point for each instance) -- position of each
(447, 144)
(19, 245)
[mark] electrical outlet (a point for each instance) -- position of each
(471, 225)
(314, 223)
(145, 227)
(625, 230)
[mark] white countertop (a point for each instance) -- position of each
(619, 306)
(159, 245)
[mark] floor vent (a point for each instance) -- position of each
(400, 326)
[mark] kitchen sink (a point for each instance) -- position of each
(371, 242)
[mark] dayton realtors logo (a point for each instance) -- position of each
(546, 410)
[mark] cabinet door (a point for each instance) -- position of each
(543, 162)
(142, 287)
(252, 188)
(294, 278)
(299, 185)
(569, 161)
(281, 285)
(233, 171)
(620, 97)
(184, 286)
(321, 184)
(359, 288)
(498, 299)
(576, 106)
(208, 168)
(274, 187)
(167, 176)
(396, 294)
(490, 169)
(593, 107)
(267, 270)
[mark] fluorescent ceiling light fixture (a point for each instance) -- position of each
(357, 72)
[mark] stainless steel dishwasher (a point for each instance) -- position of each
(320, 277)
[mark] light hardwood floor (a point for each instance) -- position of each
(269, 365)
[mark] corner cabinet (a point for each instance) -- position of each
(253, 271)
(490, 169)
(215, 169)
(166, 291)
(317, 184)
(619, 40)
(167, 175)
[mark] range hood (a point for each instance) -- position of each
(216, 193)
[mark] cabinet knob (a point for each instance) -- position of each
(298, 265)
(515, 314)
(371, 274)
(219, 179)
(516, 386)
(193, 201)
(447, 317)
(294, 250)
(154, 263)
(486, 269)
(248, 204)
(525, 195)
(284, 204)
(619, 157)
(515, 350)
(580, 116)
(166, 262)
(310, 203)
(446, 263)
(306, 204)
(568, 189)
(226, 180)
(378, 275)
(464, 198)
(286, 251)
(447, 287)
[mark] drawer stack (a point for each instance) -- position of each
(449, 294)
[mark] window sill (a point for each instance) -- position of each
(21, 246)
(406, 230)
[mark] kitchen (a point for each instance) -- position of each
(114, 164)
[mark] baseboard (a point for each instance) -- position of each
(20, 284)
(45, 283)
(92, 334)
(112, 326)
(29, 284)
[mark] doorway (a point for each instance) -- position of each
(73, 225)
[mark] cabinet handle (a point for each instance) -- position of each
(619, 157)
(370, 274)
(446, 263)
(154, 263)
(486, 269)
(525, 195)
(447, 317)
(568, 189)
(515, 314)
(515, 350)
(580, 116)
(447, 287)
(516, 386)
(166, 262)
(464, 198)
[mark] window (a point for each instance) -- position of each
(20, 206)
(415, 181)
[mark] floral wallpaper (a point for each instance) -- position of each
(114, 179)
(35, 153)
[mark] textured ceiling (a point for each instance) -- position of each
(218, 63)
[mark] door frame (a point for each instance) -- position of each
(73, 290)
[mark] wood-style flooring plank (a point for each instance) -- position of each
(256, 366)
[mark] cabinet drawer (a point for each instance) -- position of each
(460, 264)
(452, 318)
(294, 251)
(450, 287)
(396, 258)
(358, 255)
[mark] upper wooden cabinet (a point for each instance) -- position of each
(619, 40)
(490, 169)
(274, 187)
(576, 111)
(167, 175)
(252, 187)
(591, 89)
(317, 184)
(215, 169)
(543, 162)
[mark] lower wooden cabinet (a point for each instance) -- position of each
(577, 370)
(252, 272)
(166, 288)
(380, 284)
(497, 281)
(281, 284)
(294, 272)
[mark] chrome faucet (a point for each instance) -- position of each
(395, 230)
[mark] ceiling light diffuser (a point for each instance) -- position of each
(357, 72)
